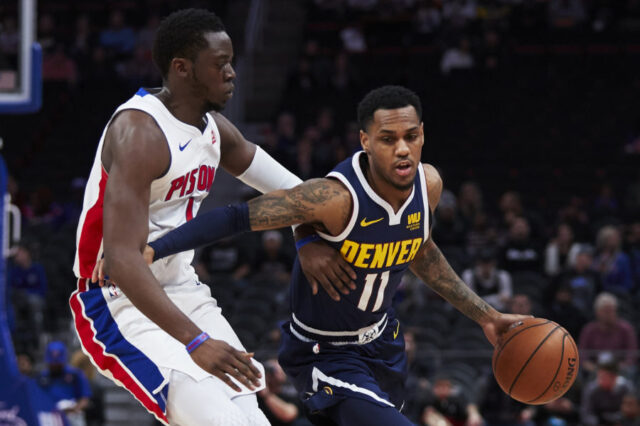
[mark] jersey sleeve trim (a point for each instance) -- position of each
(425, 202)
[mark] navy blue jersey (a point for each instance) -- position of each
(378, 243)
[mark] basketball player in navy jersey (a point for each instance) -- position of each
(346, 357)
(159, 333)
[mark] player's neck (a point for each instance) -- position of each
(391, 194)
(188, 109)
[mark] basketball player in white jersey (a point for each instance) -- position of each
(158, 332)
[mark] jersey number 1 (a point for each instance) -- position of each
(369, 281)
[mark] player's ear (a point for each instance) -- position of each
(364, 140)
(181, 66)
(422, 131)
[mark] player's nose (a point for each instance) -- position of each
(402, 148)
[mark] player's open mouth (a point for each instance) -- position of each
(403, 168)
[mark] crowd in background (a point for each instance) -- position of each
(540, 213)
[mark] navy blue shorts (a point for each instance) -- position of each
(325, 375)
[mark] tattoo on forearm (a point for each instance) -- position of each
(436, 272)
(298, 205)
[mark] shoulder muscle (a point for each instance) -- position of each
(135, 142)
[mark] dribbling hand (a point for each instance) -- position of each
(222, 360)
(323, 264)
(495, 328)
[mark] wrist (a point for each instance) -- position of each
(306, 240)
(196, 342)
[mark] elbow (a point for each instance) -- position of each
(117, 262)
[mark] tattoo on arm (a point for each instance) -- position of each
(303, 204)
(435, 271)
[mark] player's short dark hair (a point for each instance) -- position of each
(386, 97)
(181, 35)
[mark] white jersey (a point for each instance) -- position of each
(175, 197)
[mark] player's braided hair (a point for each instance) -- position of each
(181, 35)
(386, 97)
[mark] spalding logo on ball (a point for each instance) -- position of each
(536, 361)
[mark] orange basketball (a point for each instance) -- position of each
(536, 361)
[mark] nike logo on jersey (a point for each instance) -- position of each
(182, 147)
(395, 333)
(364, 222)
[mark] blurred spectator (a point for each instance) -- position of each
(459, 12)
(612, 263)
(28, 288)
(520, 304)
(602, 397)
(632, 194)
(608, 333)
(286, 132)
(118, 37)
(448, 405)
(25, 364)
(563, 311)
(482, 234)
(520, 252)
(279, 407)
(46, 31)
(353, 39)
(272, 260)
(58, 66)
(417, 385)
(566, 13)
(470, 203)
(605, 205)
(427, 20)
(227, 261)
(43, 208)
(449, 230)
(94, 412)
(148, 33)
(630, 410)
(66, 385)
(499, 409)
(9, 37)
(583, 281)
(83, 37)
(633, 250)
(457, 58)
(489, 282)
(139, 70)
(575, 215)
(560, 250)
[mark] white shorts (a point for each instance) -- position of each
(135, 353)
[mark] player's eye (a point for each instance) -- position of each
(386, 139)
(412, 137)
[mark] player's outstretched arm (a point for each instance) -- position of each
(253, 166)
(323, 203)
(432, 267)
(135, 153)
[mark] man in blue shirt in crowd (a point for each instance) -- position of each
(66, 385)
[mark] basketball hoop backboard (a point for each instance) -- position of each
(21, 63)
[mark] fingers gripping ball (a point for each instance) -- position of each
(536, 361)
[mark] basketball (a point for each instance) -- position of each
(536, 361)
